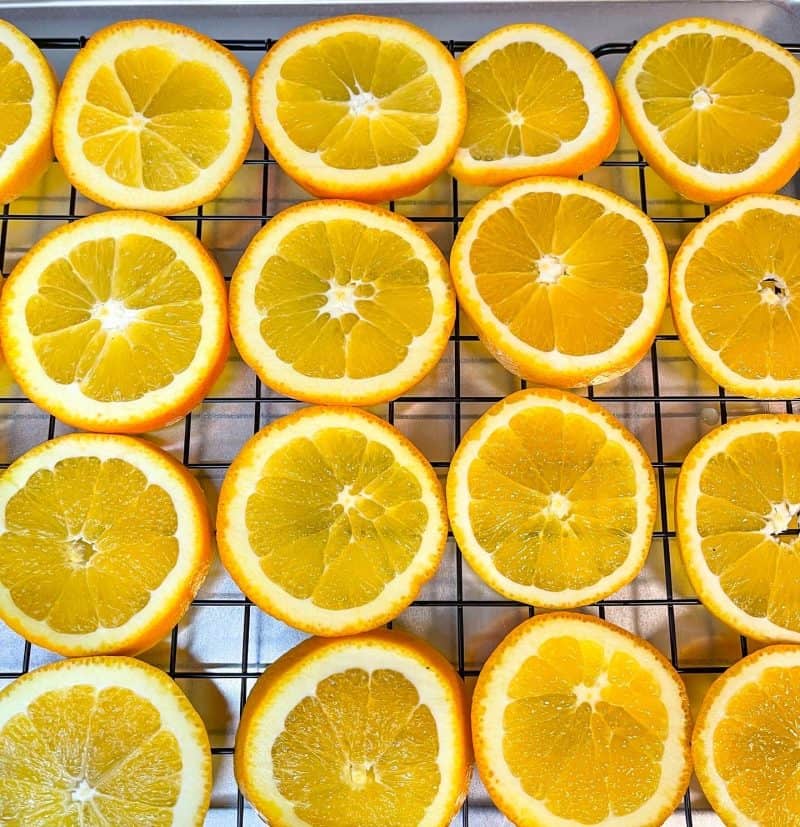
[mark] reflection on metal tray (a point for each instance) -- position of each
(224, 643)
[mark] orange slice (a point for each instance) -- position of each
(117, 322)
(342, 303)
(152, 116)
(370, 108)
(538, 103)
(105, 542)
(370, 729)
(101, 741)
(578, 722)
(565, 282)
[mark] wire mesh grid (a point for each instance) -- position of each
(224, 643)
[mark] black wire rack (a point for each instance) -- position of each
(224, 643)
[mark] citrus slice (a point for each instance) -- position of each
(27, 102)
(552, 502)
(117, 322)
(565, 282)
(358, 731)
(152, 116)
(538, 103)
(101, 740)
(737, 504)
(578, 722)
(362, 107)
(735, 292)
(713, 107)
(745, 740)
(331, 520)
(105, 540)
(337, 302)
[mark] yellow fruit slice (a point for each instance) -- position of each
(27, 100)
(117, 322)
(565, 282)
(551, 500)
(735, 291)
(538, 103)
(358, 731)
(713, 107)
(331, 520)
(152, 116)
(578, 722)
(101, 741)
(105, 541)
(745, 740)
(362, 107)
(737, 505)
(338, 302)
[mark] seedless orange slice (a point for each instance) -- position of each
(538, 103)
(101, 741)
(713, 107)
(117, 322)
(551, 500)
(331, 520)
(370, 729)
(27, 100)
(565, 282)
(338, 302)
(745, 739)
(105, 540)
(362, 107)
(152, 116)
(577, 722)
(735, 292)
(737, 505)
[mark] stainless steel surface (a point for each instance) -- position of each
(665, 400)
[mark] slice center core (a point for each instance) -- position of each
(773, 290)
(515, 118)
(702, 98)
(82, 792)
(113, 315)
(80, 551)
(782, 522)
(557, 506)
(550, 269)
(363, 102)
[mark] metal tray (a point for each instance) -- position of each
(224, 643)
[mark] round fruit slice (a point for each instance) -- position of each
(745, 740)
(337, 302)
(331, 520)
(362, 730)
(565, 282)
(152, 116)
(26, 112)
(551, 500)
(117, 322)
(577, 722)
(713, 107)
(101, 741)
(370, 108)
(105, 540)
(735, 292)
(737, 504)
(538, 103)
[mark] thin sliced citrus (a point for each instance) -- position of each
(577, 722)
(735, 290)
(362, 731)
(737, 505)
(101, 741)
(338, 302)
(565, 282)
(117, 322)
(551, 500)
(713, 107)
(362, 107)
(745, 740)
(152, 116)
(538, 103)
(27, 101)
(105, 540)
(331, 520)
